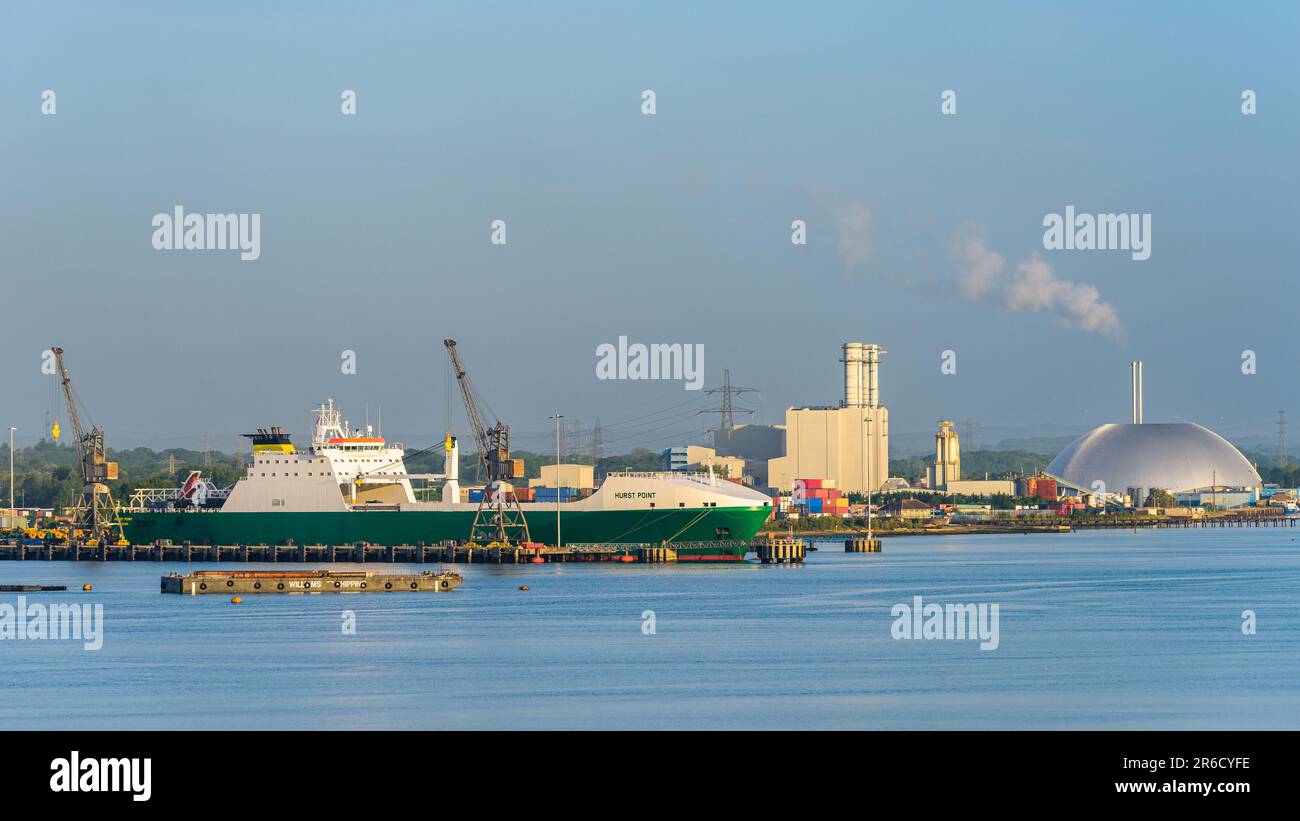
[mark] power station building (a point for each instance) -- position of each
(754, 443)
(848, 444)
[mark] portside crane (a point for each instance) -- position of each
(499, 516)
(95, 512)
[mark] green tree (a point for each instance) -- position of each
(1159, 497)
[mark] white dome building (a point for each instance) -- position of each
(1175, 456)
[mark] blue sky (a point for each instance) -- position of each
(666, 228)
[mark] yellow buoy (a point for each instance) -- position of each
(54, 431)
(236, 600)
(85, 587)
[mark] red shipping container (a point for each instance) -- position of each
(811, 484)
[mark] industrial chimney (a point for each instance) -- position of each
(853, 388)
(861, 372)
(1135, 375)
(871, 363)
(1133, 391)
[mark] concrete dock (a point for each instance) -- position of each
(359, 553)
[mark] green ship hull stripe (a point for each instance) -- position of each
(390, 527)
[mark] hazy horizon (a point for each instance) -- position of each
(666, 228)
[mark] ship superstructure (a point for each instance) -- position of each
(343, 468)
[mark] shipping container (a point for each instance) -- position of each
(551, 494)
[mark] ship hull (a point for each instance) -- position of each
(391, 527)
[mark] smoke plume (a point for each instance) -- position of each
(853, 222)
(981, 276)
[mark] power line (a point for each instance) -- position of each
(727, 423)
(691, 401)
(1281, 438)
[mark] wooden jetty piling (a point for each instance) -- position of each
(862, 545)
(656, 555)
(781, 550)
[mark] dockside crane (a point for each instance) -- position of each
(499, 516)
(95, 511)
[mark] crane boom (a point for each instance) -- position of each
(78, 430)
(499, 516)
(471, 404)
(95, 511)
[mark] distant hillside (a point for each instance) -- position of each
(997, 464)
(1038, 444)
(49, 475)
(1046, 438)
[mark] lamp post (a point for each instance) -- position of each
(11, 467)
(557, 417)
(869, 421)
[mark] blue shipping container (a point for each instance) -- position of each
(553, 493)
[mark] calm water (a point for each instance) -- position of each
(1105, 630)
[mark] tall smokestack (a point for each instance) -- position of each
(1139, 392)
(872, 362)
(1133, 390)
(852, 360)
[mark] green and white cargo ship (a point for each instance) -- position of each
(352, 486)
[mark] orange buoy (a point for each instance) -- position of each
(627, 558)
(538, 560)
(236, 600)
(85, 587)
(523, 587)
